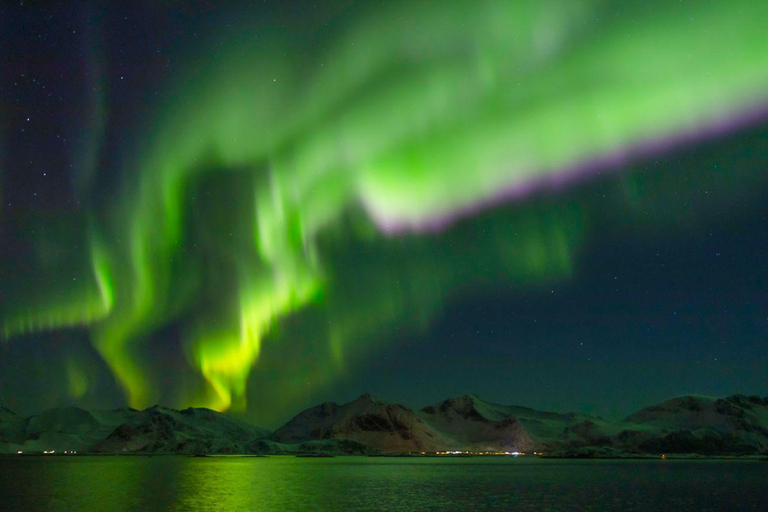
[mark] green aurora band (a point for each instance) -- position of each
(323, 177)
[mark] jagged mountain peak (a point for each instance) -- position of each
(200, 412)
(736, 424)
(463, 399)
(369, 398)
(676, 405)
(469, 406)
(367, 419)
(159, 408)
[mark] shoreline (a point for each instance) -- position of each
(644, 457)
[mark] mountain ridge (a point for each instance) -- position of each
(688, 424)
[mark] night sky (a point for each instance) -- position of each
(556, 204)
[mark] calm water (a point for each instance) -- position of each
(360, 483)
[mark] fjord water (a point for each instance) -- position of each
(118, 483)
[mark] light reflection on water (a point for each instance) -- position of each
(361, 483)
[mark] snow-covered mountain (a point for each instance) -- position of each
(367, 420)
(465, 423)
(153, 430)
(162, 430)
(705, 425)
(469, 423)
(736, 425)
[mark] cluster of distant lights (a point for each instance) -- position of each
(456, 452)
(51, 452)
(460, 452)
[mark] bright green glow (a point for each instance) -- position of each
(252, 195)
(225, 360)
(103, 277)
(82, 301)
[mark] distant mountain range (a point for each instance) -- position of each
(736, 425)
(153, 430)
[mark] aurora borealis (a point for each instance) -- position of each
(249, 203)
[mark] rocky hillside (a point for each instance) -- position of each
(709, 426)
(153, 430)
(475, 424)
(465, 423)
(366, 420)
(162, 430)
(736, 425)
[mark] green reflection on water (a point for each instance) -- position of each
(362, 483)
